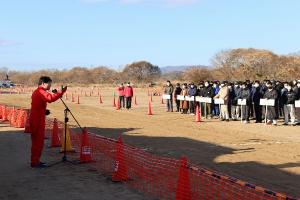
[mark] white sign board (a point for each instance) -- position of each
(242, 102)
(297, 104)
(166, 96)
(219, 101)
(267, 102)
(190, 98)
(203, 99)
(180, 97)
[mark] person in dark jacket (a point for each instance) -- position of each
(271, 93)
(257, 94)
(200, 93)
(192, 92)
(234, 94)
(216, 110)
(288, 100)
(245, 109)
(176, 93)
(208, 92)
(169, 91)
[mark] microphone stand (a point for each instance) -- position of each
(66, 120)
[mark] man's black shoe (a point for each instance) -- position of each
(41, 165)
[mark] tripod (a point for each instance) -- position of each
(66, 120)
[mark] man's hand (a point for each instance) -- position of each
(64, 89)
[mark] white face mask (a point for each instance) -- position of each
(288, 88)
(222, 85)
(128, 85)
(192, 86)
(298, 85)
(256, 85)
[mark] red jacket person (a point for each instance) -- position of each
(40, 97)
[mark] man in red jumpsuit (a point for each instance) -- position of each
(40, 97)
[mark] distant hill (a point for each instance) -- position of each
(169, 69)
(294, 54)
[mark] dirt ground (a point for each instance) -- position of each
(63, 181)
(263, 155)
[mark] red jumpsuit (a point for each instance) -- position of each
(40, 97)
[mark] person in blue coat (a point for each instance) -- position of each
(192, 92)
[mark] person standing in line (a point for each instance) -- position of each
(192, 92)
(234, 95)
(245, 109)
(271, 93)
(288, 99)
(184, 103)
(169, 91)
(208, 92)
(257, 94)
(121, 92)
(176, 93)
(200, 93)
(216, 88)
(128, 95)
(224, 94)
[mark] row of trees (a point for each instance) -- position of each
(138, 72)
(234, 64)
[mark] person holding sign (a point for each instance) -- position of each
(169, 91)
(224, 94)
(176, 93)
(257, 94)
(245, 95)
(208, 92)
(234, 94)
(271, 93)
(184, 103)
(288, 99)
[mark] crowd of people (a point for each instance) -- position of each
(284, 95)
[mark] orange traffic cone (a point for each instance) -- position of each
(20, 121)
(114, 102)
(78, 99)
(149, 109)
(27, 124)
(85, 149)
(55, 141)
(120, 173)
(198, 119)
(12, 117)
(118, 105)
(73, 100)
(135, 101)
(100, 99)
(69, 147)
(4, 113)
(183, 185)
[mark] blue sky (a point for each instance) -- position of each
(37, 34)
